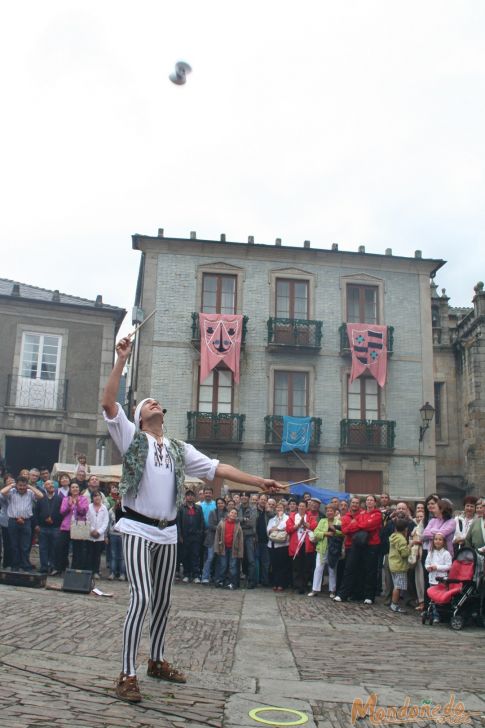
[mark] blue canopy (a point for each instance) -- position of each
(324, 494)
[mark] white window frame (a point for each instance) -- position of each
(39, 359)
(22, 331)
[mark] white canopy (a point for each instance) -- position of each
(105, 473)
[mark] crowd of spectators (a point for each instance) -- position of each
(358, 549)
(71, 519)
(367, 547)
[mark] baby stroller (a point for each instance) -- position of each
(461, 594)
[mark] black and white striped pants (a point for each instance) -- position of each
(150, 569)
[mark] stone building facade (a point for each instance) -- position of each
(56, 354)
(459, 396)
(295, 358)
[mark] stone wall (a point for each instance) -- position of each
(175, 268)
(87, 353)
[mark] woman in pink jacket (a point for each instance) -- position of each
(73, 507)
(443, 523)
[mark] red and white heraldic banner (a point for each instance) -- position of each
(368, 346)
(220, 340)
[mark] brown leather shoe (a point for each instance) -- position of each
(127, 688)
(163, 670)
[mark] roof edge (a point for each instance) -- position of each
(137, 237)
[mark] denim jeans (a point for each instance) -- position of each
(6, 548)
(48, 545)
(191, 558)
(263, 563)
(63, 550)
(250, 553)
(20, 541)
(206, 572)
(117, 563)
(227, 569)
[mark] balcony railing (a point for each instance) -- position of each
(41, 394)
(273, 425)
(196, 330)
(284, 333)
(367, 434)
(345, 344)
(221, 428)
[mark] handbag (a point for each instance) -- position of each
(360, 538)
(414, 555)
(80, 530)
(278, 536)
(334, 552)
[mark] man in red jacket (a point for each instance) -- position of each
(362, 540)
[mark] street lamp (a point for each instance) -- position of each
(427, 413)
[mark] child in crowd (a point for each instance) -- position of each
(438, 564)
(229, 549)
(82, 467)
(415, 558)
(399, 551)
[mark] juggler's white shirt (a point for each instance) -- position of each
(155, 497)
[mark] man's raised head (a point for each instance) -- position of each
(149, 414)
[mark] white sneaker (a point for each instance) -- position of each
(368, 601)
(111, 577)
(205, 581)
(332, 595)
(196, 580)
(312, 594)
(122, 577)
(337, 599)
(185, 580)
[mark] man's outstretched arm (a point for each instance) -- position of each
(108, 402)
(239, 476)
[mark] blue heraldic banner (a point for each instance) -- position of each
(297, 432)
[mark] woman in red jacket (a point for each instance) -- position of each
(371, 521)
(301, 549)
(362, 547)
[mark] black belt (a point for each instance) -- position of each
(135, 516)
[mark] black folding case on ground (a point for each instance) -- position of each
(76, 580)
(20, 578)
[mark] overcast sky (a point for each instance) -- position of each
(349, 122)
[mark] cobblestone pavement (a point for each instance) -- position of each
(59, 658)
(357, 633)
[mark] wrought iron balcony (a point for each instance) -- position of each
(196, 330)
(36, 394)
(345, 344)
(213, 427)
(367, 434)
(286, 333)
(273, 425)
